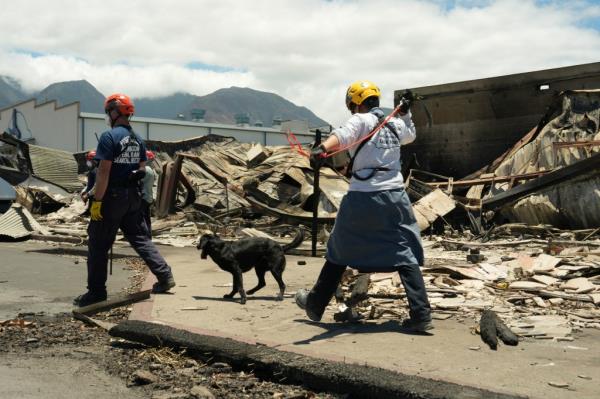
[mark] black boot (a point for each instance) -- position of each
(163, 285)
(316, 300)
(89, 298)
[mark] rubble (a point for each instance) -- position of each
(537, 295)
(18, 223)
(549, 177)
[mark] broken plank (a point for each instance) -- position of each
(515, 243)
(94, 322)
(115, 302)
(570, 297)
(476, 191)
(430, 207)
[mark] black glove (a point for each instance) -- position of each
(317, 156)
(406, 101)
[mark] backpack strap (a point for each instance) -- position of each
(392, 127)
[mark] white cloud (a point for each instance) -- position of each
(307, 51)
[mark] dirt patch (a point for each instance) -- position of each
(92, 360)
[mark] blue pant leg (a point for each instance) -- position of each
(147, 217)
(413, 283)
(135, 231)
(325, 286)
(101, 236)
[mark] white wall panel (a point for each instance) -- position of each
(50, 126)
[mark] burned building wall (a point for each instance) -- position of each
(464, 126)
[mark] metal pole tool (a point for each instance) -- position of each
(316, 197)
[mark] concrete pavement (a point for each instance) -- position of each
(197, 305)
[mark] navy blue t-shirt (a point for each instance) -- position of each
(114, 145)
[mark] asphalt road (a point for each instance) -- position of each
(35, 279)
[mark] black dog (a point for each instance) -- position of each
(240, 256)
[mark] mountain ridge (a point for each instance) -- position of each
(227, 105)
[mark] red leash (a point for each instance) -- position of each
(368, 136)
(295, 144)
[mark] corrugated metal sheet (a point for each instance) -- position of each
(573, 203)
(55, 166)
(17, 222)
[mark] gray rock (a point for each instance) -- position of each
(170, 396)
(143, 377)
(155, 366)
(201, 392)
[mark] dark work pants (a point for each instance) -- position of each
(147, 217)
(410, 275)
(121, 208)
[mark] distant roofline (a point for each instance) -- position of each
(41, 104)
(186, 123)
(506, 81)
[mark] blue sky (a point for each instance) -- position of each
(307, 51)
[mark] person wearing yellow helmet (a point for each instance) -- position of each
(375, 229)
(360, 91)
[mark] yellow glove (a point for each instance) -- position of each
(95, 209)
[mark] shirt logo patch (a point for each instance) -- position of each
(386, 139)
(130, 152)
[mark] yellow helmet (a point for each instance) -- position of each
(360, 90)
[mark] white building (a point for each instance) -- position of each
(68, 129)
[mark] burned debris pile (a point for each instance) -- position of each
(551, 176)
(223, 177)
(540, 288)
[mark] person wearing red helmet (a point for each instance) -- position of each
(147, 195)
(117, 202)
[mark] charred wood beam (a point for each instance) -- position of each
(167, 187)
(119, 300)
(491, 180)
(491, 327)
(287, 216)
(359, 290)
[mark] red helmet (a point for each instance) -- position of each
(149, 155)
(121, 103)
(90, 155)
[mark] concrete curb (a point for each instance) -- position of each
(318, 374)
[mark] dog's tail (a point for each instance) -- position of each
(295, 242)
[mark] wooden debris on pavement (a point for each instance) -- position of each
(539, 296)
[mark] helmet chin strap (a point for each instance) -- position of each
(114, 121)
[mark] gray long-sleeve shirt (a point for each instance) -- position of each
(381, 150)
(148, 185)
